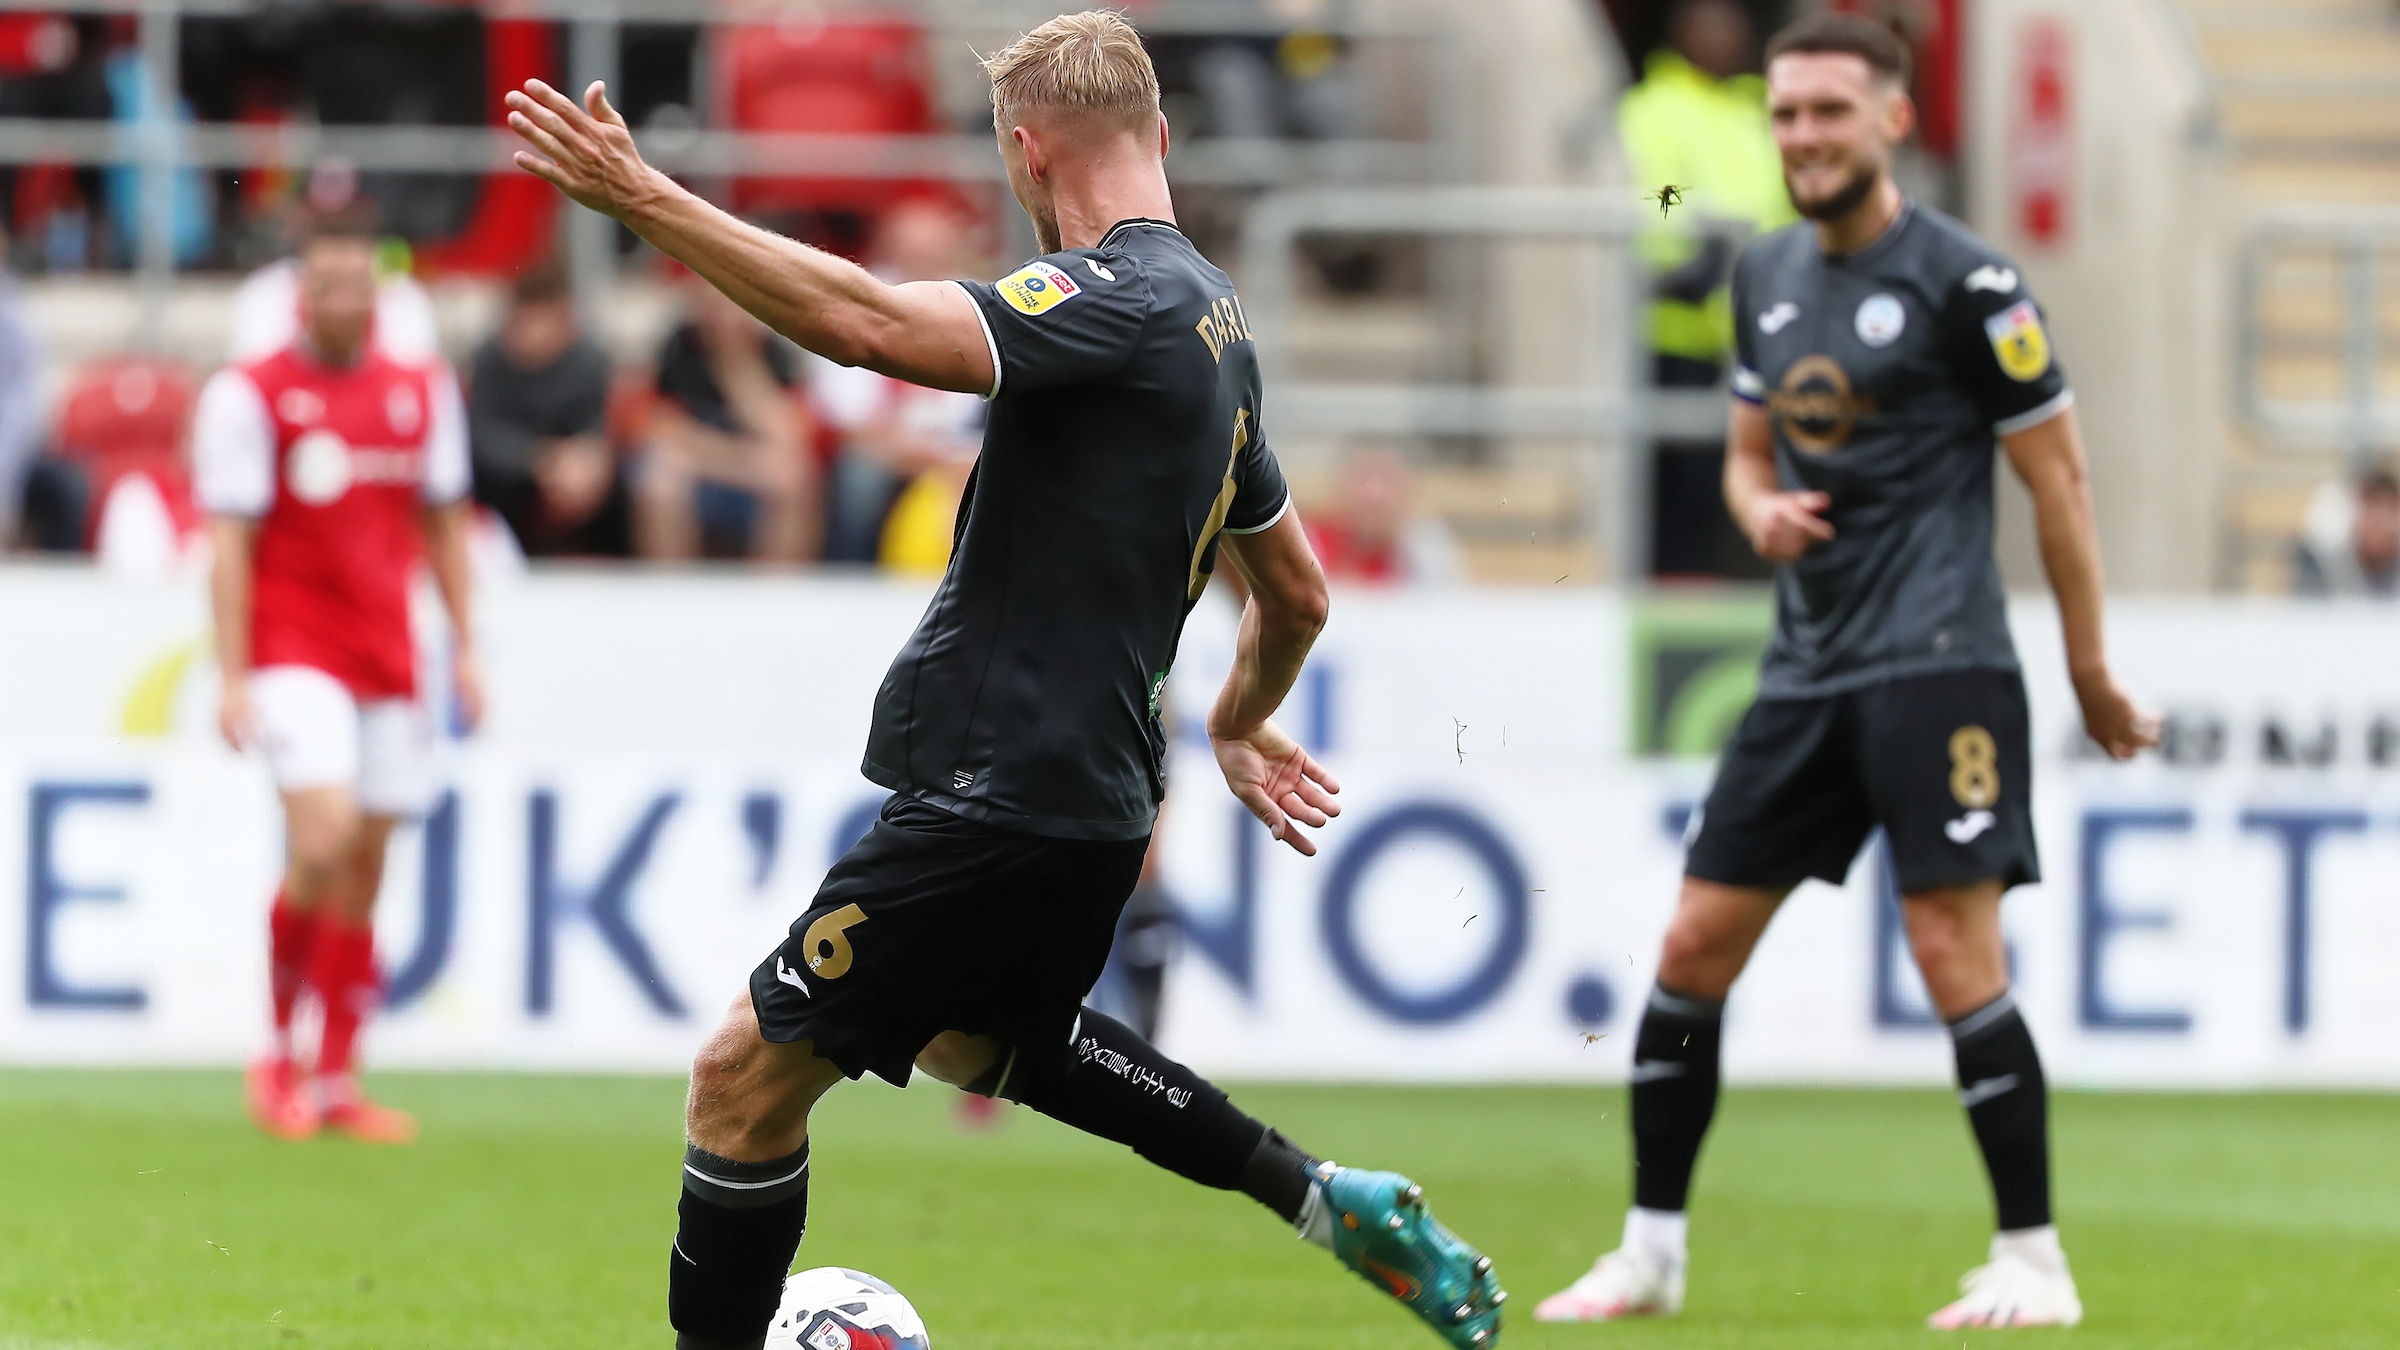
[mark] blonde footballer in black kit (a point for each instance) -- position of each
(1883, 350)
(1020, 729)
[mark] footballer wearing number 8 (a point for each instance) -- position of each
(1020, 729)
(1882, 350)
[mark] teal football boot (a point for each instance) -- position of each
(1382, 1230)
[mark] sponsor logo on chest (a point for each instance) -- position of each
(321, 467)
(323, 464)
(1815, 406)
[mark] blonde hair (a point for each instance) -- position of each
(1091, 62)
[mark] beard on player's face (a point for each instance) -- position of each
(1820, 203)
(1045, 225)
(1039, 209)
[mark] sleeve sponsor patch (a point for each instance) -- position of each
(2019, 342)
(1038, 287)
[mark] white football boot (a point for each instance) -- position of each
(2025, 1284)
(1641, 1278)
(1624, 1283)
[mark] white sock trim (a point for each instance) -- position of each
(1315, 1224)
(1658, 1234)
(2037, 1247)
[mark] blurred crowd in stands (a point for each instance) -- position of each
(730, 443)
(725, 442)
(2351, 543)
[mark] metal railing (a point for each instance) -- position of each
(2361, 245)
(1614, 405)
(160, 146)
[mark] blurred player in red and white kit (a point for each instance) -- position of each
(329, 468)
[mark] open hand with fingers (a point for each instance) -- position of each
(2112, 718)
(585, 152)
(1278, 781)
(1784, 525)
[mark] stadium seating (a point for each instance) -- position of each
(125, 415)
(848, 78)
(2308, 93)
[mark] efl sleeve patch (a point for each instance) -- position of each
(1037, 287)
(2019, 342)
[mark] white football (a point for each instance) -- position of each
(832, 1308)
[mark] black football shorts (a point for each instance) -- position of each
(936, 923)
(1940, 761)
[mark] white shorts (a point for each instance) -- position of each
(315, 734)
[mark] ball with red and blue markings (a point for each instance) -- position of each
(834, 1308)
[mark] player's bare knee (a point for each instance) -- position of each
(721, 1112)
(726, 1057)
(1938, 945)
(318, 861)
(1700, 952)
(1687, 953)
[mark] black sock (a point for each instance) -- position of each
(740, 1226)
(1118, 1086)
(2000, 1084)
(1278, 1175)
(1674, 1093)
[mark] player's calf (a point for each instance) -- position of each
(744, 1205)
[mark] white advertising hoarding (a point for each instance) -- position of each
(671, 762)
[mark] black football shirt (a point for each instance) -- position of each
(1888, 374)
(1123, 441)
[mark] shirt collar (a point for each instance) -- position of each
(1880, 243)
(1138, 222)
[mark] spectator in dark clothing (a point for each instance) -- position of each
(2367, 560)
(728, 470)
(537, 407)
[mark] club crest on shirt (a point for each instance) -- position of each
(2019, 342)
(1038, 287)
(1881, 317)
(403, 411)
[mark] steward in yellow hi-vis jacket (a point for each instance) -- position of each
(1708, 137)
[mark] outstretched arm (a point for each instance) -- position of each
(924, 332)
(2049, 457)
(1286, 609)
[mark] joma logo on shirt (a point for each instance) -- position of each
(1223, 325)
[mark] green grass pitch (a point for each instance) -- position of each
(139, 1212)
